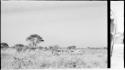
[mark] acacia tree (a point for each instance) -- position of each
(34, 39)
(19, 47)
(4, 45)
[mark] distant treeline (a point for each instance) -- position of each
(34, 41)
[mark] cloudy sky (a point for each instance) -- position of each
(81, 23)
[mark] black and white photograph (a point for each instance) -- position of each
(54, 35)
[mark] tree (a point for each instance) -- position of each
(19, 47)
(34, 39)
(54, 48)
(4, 45)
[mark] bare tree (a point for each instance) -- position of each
(34, 39)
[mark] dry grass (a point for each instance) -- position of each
(40, 59)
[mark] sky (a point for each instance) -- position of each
(81, 23)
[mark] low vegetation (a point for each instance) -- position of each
(33, 56)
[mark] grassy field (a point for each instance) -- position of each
(44, 59)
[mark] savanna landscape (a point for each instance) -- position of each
(35, 56)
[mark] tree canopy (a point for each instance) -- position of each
(4, 45)
(34, 39)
